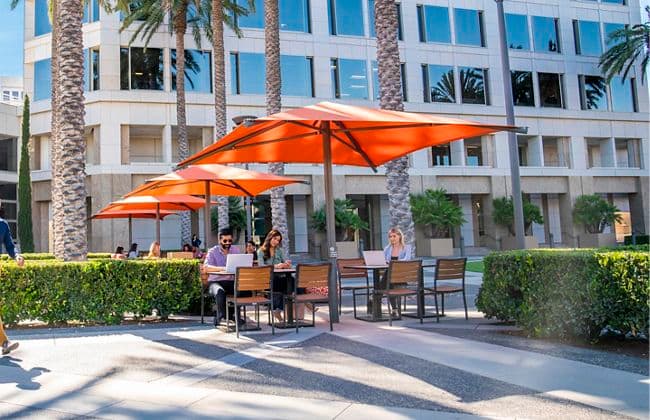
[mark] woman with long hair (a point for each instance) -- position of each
(154, 250)
(270, 253)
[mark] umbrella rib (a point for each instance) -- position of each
(239, 187)
(386, 127)
(357, 146)
(296, 137)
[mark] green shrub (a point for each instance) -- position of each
(346, 220)
(435, 210)
(100, 290)
(33, 256)
(595, 213)
(564, 293)
(503, 214)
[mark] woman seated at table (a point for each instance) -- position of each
(271, 253)
(396, 250)
(154, 250)
(119, 254)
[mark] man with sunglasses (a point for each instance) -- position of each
(221, 285)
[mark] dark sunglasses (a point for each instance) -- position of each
(226, 241)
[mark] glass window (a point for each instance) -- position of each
(95, 10)
(522, 88)
(621, 2)
(294, 15)
(42, 79)
(91, 72)
(8, 152)
(371, 19)
(346, 17)
(41, 18)
(472, 85)
(5, 95)
(469, 27)
(517, 32)
(587, 37)
(550, 90)
(593, 92)
(198, 71)
(434, 24)
(247, 73)
(375, 80)
(141, 69)
(545, 38)
(473, 151)
(608, 29)
(349, 78)
(441, 155)
(623, 95)
(439, 83)
(254, 19)
(296, 73)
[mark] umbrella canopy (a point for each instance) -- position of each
(360, 136)
(334, 133)
(211, 179)
(132, 214)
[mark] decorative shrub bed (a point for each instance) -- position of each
(98, 290)
(567, 293)
(46, 256)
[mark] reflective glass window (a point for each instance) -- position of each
(593, 92)
(587, 37)
(8, 159)
(255, 18)
(247, 73)
(517, 32)
(441, 155)
(375, 80)
(434, 24)
(349, 78)
(141, 69)
(469, 27)
(42, 79)
(439, 85)
(95, 10)
(545, 34)
(198, 71)
(623, 95)
(294, 15)
(550, 90)
(94, 77)
(124, 68)
(522, 88)
(473, 85)
(346, 17)
(608, 29)
(41, 18)
(296, 74)
(621, 2)
(371, 19)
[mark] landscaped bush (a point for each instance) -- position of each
(566, 293)
(47, 256)
(96, 290)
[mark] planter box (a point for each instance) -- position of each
(509, 242)
(597, 240)
(443, 247)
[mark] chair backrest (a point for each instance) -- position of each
(253, 278)
(182, 255)
(350, 273)
(450, 269)
(313, 275)
(404, 272)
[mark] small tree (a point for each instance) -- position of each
(347, 221)
(435, 210)
(25, 234)
(503, 214)
(594, 213)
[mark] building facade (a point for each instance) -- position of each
(11, 90)
(9, 135)
(584, 136)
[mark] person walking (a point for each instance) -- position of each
(8, 242)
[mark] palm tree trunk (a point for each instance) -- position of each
(57, 203)
(274, 105)
(180, 26)
(220, 120)
(72, 144)
(390, 97)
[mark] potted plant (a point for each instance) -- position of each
(595, 213)
(347, 224)
(503, 214)
(437, 216)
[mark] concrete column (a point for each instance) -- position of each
(578, 150)
(300, 225)
(167, 73)
(467, 229)
(384, 206)
(420, 158)
(535, 152)
(125, 145)
(167, 143)
(457, 150)
(553, 221)
(501, 156)
(538, 230)
(639, 206)
(206, 136)
(608, 153)
(110, 143)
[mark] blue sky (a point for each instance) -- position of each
(11, 38)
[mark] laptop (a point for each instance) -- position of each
(374, 258)
(238, 260)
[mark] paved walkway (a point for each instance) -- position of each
(362, 369)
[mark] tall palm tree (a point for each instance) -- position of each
(629, 45)
(390, 97)
(273, 106)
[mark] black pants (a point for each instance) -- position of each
(219, 290)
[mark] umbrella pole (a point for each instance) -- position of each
(158, 223)
(329, 222)
(206, 216)
(130, 230)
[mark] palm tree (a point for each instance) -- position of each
(273, 106)
(629, 45)
(390, 97)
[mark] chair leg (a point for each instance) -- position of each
(295, 320)
(338, 283)
(236, 319)
(421, 310)
(202, 304)
(442, 296)
(271, 318)
(227, 318)
(435, 298)
(465, 303)
(354, 303)
(390, 311)
(257, 315)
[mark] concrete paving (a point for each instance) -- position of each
(189, 370)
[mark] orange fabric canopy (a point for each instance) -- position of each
(163, 202)
(135, 214)
(223, 180)
(360, 136)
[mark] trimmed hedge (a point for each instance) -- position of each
(567, 293)
(98, 290)
(33, 256)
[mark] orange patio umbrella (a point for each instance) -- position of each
(131, 214)
(211, 179)
(334, 133)
(157, 204)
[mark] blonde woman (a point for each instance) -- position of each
(397, 250)
(154, 250)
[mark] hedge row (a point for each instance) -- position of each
(96, 290)
(47, 256)
(566, 293)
